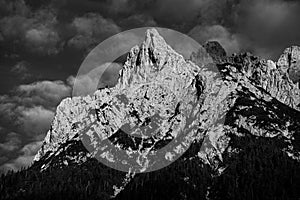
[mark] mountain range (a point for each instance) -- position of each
(224, 129)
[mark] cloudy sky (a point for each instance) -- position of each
(43, 42)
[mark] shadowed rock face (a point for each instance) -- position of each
(247, 98)
(215, 50)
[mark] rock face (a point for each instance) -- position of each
(161, 97)
(155, 100)
(289, 62)
(214, 49)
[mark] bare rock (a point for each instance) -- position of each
(289, 62)
(157, 88)
(215, 50)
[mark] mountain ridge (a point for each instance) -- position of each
(246, 102)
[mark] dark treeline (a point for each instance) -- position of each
(261, 170)
(90, 180)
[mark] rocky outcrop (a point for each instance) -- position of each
(257, 97)
(267, 75)
(289, 62)
(215, 50)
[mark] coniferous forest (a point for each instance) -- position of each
(261, 170)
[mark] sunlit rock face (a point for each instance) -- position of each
(156, 100)
(160, 96)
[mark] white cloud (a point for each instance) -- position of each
(31, 107)
(36, 120)
(43, 39)
(12, 142)
(36, 32)
(28, 110)
(45, 93)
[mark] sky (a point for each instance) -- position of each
(43, 43)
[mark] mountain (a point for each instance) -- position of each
(233, 124)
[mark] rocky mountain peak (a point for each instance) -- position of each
(154, 61)
(240, 114)
(156, 86)
(155, 42)
(157, 81)
(152, 52)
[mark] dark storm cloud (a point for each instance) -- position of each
(269, 26)
(20, 67)
(177, 14)
(229, 41)
(11, 143)
(21, 70)
(35, 31)
(30, 108)
(91, 29)
(263, 27)
(13, 7)
(138, 20)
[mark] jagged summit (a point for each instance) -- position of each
(155, 43)
(152, 50)
(156, 86)
(154, 61)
